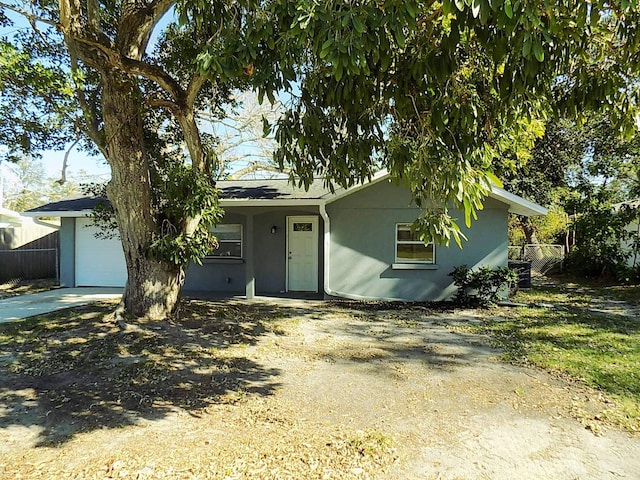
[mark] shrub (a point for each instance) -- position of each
(483, 285)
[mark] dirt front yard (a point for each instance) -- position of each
(290, 390)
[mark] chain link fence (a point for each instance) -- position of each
(543, 258)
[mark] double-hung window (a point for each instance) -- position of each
(409, 247)
(229, 241)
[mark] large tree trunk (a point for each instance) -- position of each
(153, 286)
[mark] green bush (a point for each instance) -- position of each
(483, 285)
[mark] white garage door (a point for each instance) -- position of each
(99, 262)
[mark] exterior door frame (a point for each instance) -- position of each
(313, 219)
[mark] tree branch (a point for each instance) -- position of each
(135, 67)
(135, 27)
(238, 174)
(89, 114)
(195, 84)
(155, 74)
(93, 19)
(167, 104)
(32, 17)
(65, 161)
(194, 142)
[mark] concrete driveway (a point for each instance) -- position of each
(24, 306)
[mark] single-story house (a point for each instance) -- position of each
(278, 239)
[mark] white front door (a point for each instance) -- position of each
(302, 250)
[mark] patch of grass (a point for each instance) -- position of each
(625, 293)
(579, 292)
(602, 351)
(557, 294)
(370, 443)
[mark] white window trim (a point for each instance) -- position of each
(227, 257)
(410, 242)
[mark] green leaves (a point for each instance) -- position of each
(482, 286)
(37, 108)
(183, 193)
(508, 9)
(447, 95)
(440, 93)
(538, 51)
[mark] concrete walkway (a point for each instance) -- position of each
(24, 306)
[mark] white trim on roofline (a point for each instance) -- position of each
(376, 178)
(270, 202)
(517, 204)
(59, 213)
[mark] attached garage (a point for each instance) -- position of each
(99, 262)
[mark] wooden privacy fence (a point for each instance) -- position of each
(28, 264)
(28, 253)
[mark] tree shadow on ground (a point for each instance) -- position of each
(384, 335)
(75, 371)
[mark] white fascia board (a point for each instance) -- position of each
(59, 214)
(517, 204)
(378, 177)
(232, 202)
(267, 202)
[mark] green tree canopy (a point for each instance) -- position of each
(444, 94)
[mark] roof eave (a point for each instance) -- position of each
(517, 204)
(270, 202)
(10, 213)
(378, 177)
(59, 213)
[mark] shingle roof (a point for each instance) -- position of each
(263, 189)
(71, 205)
(276, 188)
(279, 189)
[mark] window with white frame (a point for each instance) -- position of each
(409, 247)
(229, 241)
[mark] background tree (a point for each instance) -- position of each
(601, 234)
(580, 172)
(607, 175)
(26, 185)
(544, 177)
(445, 91)
(37, 108)
(242, 148)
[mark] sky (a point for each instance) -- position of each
(79, 164)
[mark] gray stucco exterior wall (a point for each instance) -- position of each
(362, 242)
(218, 274)
(67, 252)
(269, 254)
